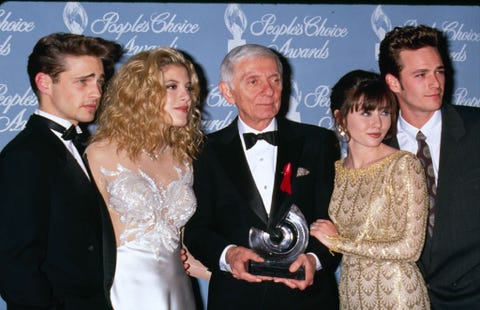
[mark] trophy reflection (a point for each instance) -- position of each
(280, 247)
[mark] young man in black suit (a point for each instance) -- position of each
(411, 62)
(238, 187)
(57, 248)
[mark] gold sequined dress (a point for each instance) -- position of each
(380, 213)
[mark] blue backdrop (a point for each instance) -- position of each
(321, 42)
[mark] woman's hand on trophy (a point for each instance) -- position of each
(324, 230)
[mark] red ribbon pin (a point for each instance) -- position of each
(286, 185)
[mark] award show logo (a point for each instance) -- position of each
(219, 112)
(295, 99)
(381, 24)
(13, 108)
(75, 17)
(10, 26)
(236, 23)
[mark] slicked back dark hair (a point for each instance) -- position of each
(404, 38)
(48, 55)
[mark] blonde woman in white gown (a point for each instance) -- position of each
(140, 157)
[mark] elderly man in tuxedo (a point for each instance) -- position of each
(57, 248)
(237, 184)
(447, 140)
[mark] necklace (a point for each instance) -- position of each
(155, 154)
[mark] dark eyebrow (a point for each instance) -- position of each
(420, 71)
(91, 75)
(423, 70)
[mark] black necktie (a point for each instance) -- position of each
(69, 134)
(425, 157)
(251, 138)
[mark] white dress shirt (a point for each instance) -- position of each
(407, 137)
(68, 144)
(261, 158)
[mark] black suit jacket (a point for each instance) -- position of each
(54, 229)
(450, 261)
(229, 204)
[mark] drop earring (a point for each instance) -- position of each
(341, 131)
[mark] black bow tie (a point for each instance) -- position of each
(251, 138)
(78, 139)
(69, 134)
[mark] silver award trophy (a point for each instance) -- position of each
(281, 246)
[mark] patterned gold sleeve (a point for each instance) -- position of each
(394, 226)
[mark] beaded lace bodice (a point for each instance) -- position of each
(153, 215)
(380, 213)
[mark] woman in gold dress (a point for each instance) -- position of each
(379, 204)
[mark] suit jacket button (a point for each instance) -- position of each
(90, 248)
(454, 284)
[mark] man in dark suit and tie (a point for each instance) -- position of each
(411, 62)
(57, 248)
(237, 183)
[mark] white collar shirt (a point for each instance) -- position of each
(261, 158)
(432, 129)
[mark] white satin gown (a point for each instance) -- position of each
(149, 273)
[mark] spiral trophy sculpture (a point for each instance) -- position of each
(281, 246)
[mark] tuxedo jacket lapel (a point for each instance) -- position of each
(71, 165)
(109, 242)
(38, 125)
(289, 150)
(236, 167)
(282, 159)
(452, 131)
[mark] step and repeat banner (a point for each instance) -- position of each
(321, 42)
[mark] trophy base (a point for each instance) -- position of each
(275, 269)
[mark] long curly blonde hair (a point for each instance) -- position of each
(133, 104)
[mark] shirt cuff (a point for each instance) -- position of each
(318, 265)
(224, 266)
